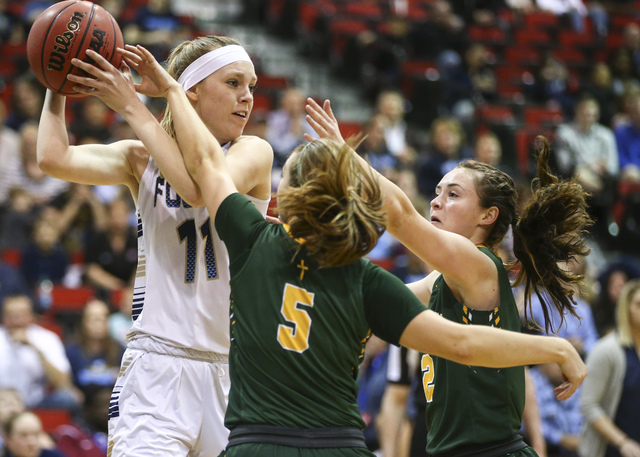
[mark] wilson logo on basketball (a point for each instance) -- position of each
(63, 42)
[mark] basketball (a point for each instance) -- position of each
(64, 31)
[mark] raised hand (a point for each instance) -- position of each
(156, 82)
(111, 85)
(323, 121)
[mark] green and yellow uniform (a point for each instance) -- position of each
(472, 410)
(298, 332)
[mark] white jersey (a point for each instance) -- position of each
(181, 292)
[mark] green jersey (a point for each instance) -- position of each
(298, 332)
(469, 406)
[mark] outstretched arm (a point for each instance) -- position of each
(456, 257)
(491, 347)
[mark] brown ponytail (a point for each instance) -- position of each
(332, 203)
(550, 231)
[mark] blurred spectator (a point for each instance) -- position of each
(393, 423)
(92, 121)
(626, 105)
(445, 150)
(373, 57)
(612, 280)
(156, 27)
(632, 43)
(22, 437)
(25, 173)
(93, 354)
(553, 85)
(391, 105)
(576, 11)
(472, 83)
(374, 146)
(120, 322)
(87, 436)
(11, 404)
(11, 282)
(111, 256)
(32, 359)
(588, 150)
(611, 393)
(16, 224)
(371, 384)
(44, 258)
(489, 150)
(623, 71)
(443, 33)
(80, 215)
(26, 102)
(9, 139)
(628, 140)
(287, 125)
(479, 12)
(562, 420)
(600, 87)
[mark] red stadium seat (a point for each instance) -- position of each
(540, 19)
(348, 129)
(500, 114)
(523, 56)
(570, 56)
(52, 418)
(487, 35)
(541, 115)
(532, 37)
(12, 256)
(571, 40)
(70, 299)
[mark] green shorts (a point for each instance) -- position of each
(276, 450)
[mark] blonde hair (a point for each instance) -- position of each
(622, 311)
(332, 203)
(182, 56)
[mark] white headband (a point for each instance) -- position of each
(211, 62)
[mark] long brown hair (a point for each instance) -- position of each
(332, 203)
(184, 55)
(550, 231)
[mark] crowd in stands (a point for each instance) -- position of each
(447, 81)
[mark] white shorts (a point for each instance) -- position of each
(168, 401)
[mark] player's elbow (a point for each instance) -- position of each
(462, 348)
(46, 161)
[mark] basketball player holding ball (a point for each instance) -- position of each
(170, 397)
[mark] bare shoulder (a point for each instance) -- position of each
(251, 144)
(249, 161)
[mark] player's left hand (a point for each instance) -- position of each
(573, 372)
(323, 121)
(156, 82)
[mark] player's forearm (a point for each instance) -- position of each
(164, 150)
(53, 139)
(196, 142)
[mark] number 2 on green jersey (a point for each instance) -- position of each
(427, 376)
